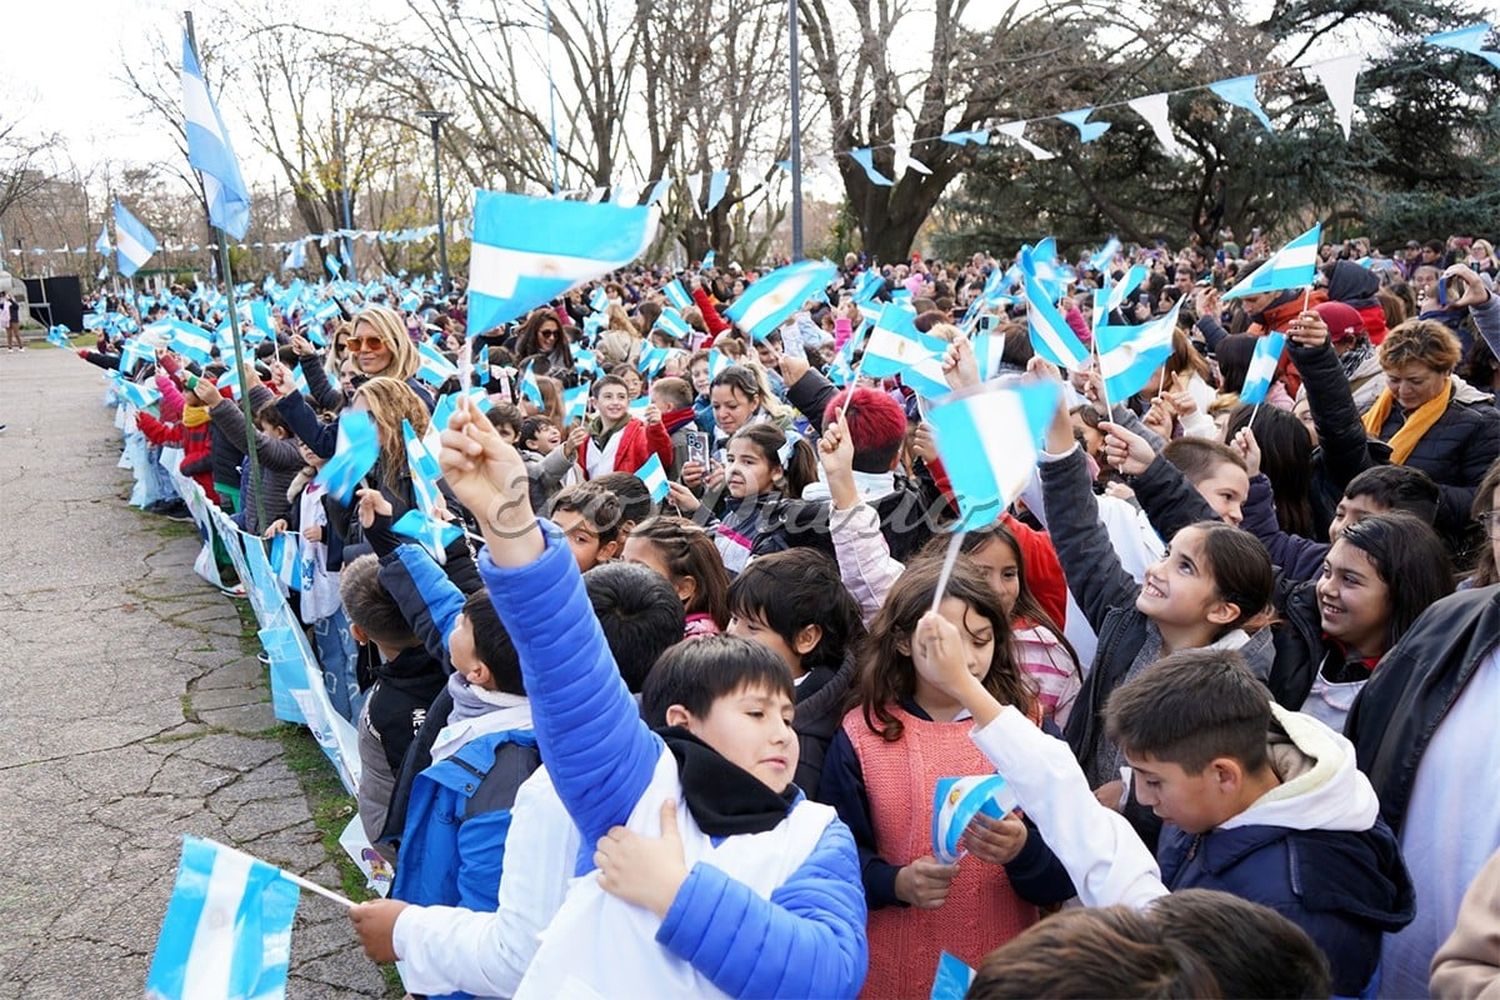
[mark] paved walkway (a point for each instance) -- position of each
(131, 716)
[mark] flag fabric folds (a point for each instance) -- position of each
(210, 152)
(676, 294)
(1051, 336)
(708, 259)
(772, 300)
(1262, 368)
(989, 441)
(435, 369)
(228, 928)
(190, 341)
(357, 451)
(655, 477)
(101, 245)
(532, 389)
(134, 243)
(673, 325)
(1293, 266)
(528, 251)
(1130, 355)
(575, 403)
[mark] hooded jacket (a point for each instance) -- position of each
(1313, 849)
(819, 710)
(1356, 286)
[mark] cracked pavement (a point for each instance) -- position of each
(133, 716)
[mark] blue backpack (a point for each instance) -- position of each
(453, 844)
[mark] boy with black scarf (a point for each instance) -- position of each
(714, 872)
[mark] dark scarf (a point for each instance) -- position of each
(725, 799)
(1355, 356)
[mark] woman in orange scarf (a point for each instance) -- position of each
(1424, 418)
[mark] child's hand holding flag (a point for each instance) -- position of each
(489, 478)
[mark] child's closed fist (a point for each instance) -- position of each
(643, 871)
(375, 926)
(937, 650)
(925, 883)
(486, 474)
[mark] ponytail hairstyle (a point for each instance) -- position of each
(1411, 560)
(1241, 570)
(689, 553)
(888, 676)
(793, 459)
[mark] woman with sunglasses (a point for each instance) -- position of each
(543, 333)
(381, 347)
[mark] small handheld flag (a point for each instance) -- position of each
(955, 803)
(1051, 336)
(989, 441)
(134, 243)
(575, 403)
(770, 302)
(530, 388)
(676, 294)
(1130, 355)
(1262, 368)
(228, 927)
(673, 325)
(655, 477)
(708, 259)
(599, 299)
(357, 452)
(435, 369)
(528, 251)
(1293, 266)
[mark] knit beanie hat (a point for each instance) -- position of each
(1344, 321)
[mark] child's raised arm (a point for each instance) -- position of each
(600, 754)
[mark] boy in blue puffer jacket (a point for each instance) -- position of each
(715, 875)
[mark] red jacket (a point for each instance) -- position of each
(638, 442)
(195, 440)
(716, 324)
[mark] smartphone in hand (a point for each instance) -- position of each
(697, 448)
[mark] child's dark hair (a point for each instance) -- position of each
(1027, 609)
(492, 643)
(1103, 951)
(788, 591)
(1240, 567)
(771, 441)
(598, 506)
(634, 496)
(640, 614)
(697, 673)
(689, 552)
(1199, 458)
(876, 425)
(1253, 950)
(1233, 355)
(888, 677)
(370, 606)
(608, 380)
(1411, 560)
(531, 427)
(1398, 487)
(503, 415)
(1286, 459)
(1190, 708)
(269, 415)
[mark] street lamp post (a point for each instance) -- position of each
(436, 119)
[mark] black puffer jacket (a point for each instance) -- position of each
(821, 699)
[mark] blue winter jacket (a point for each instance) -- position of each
(1344, 888)
(808, 939)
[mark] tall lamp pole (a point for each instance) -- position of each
(796, 131)
(436, 119)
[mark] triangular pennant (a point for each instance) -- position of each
(1240, 91)
(1339, 78)
(1017, 132)
(1087, 131)
(1154, 109)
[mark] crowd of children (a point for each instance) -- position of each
(667, 712)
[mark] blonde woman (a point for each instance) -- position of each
(381, 347)
(1482, 258)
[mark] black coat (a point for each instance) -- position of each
(1419, 680)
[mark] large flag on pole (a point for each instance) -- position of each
(134, 243)
(1293, 266)
(528, 251)
(228, 928)
(210, 152)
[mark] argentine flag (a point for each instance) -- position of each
(709, 259)
(134, 351)
(575, 402)
(1130, 355)
(210, 153)
(356, 454)
(528, 251)
(228, 928)
(599, 299)
(989, 441)
(445, 407)
(1293, 266)
(532, 389)
(585, 362)
(136, 394)
(134, 243)
(869, 285)
(1262, 368)
(717, 362)
(895, 344)
(435, 369)
(1051, 336)
(770, 302)
(190, 341)
(676, 294)
(655, 477)
(652, 359)
(673, 325)
(1105, 256)
(432, 534)
(57, 336)
(286, 558)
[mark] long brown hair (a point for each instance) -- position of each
(888, 677)
(688, 551)
(391, 402)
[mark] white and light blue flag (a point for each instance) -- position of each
(134, 243)
(770, 302)
(989, 441)
(210, 152)
(1293, 266)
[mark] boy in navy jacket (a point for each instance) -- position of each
(714, 874)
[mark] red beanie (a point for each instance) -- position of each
(876, 424)
(1344, 321)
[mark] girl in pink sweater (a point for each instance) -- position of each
(882, 770)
